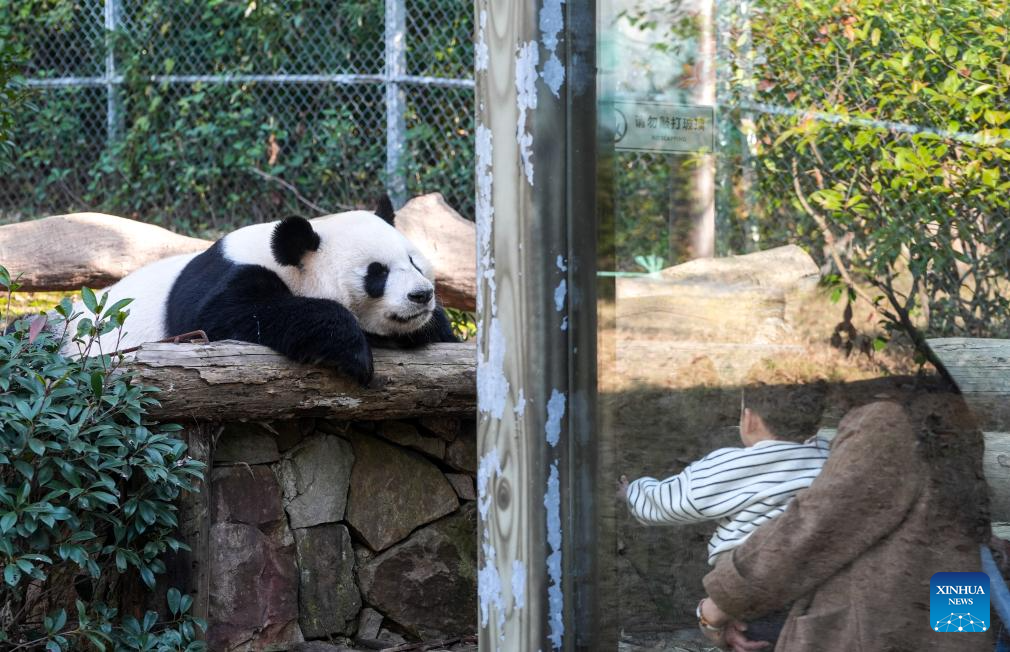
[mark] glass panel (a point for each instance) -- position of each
(803, 255)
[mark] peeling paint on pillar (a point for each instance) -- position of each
(555, 413)
(559, 295)
(489, 589)
(518, 584)
(492, 385)
(552, 504)
(520, 408)
(555, 596)
(526, 99)
(552, 22)
(480, 51)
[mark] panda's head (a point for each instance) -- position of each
(360, 260)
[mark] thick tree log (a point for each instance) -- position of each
(64, 252)
(449, 241)
(981, 368)
(229, 381)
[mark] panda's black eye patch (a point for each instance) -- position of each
(375, 280)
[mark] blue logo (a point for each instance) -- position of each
(959, 602)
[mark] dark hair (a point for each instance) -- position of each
(791, 412)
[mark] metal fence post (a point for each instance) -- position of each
(112, 117)
(396, 129)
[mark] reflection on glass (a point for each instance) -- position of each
(804, 259)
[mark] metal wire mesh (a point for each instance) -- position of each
(204, 116)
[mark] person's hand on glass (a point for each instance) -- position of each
(622, 488)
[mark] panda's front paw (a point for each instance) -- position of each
(356, 361)
(363, 368)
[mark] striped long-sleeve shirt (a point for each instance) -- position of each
(739, 488)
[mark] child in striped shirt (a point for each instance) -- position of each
(738, 488)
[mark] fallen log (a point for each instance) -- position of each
(234, 381)
(64, 252)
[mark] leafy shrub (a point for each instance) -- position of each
(87, 492)
(872, 133)
(12, 90)
(921, 208)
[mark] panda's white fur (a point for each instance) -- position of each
(348, 244)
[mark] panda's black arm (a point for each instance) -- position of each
(254, 305)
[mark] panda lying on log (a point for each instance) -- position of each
(317, 291)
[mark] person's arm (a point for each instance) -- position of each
(869, 483)
(676, 501)
(662, 502)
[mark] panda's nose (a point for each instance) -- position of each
(420, 296)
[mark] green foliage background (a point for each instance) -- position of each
(921, 207)
(882, 126)
(203, 158)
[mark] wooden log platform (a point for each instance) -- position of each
(234, 381)
(981, 368)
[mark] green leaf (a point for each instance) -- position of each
(174, 598)
(117, 307)
(97, 380)
(61, 619)
(90, 300)
(65, 308)
(12, 574)
(934, 39)
(25, 468)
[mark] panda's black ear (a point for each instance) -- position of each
(292, 239)
(385, 210)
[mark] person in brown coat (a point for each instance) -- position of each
(853, 554)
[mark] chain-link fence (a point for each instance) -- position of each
(205, 115)
(875, 135)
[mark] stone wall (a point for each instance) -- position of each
(346, 532)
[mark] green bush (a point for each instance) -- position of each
(87, 492)
(911, 176)
(12, 90)
(875, 134)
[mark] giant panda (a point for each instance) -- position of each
(317, 291)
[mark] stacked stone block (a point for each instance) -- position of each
(342, 533)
